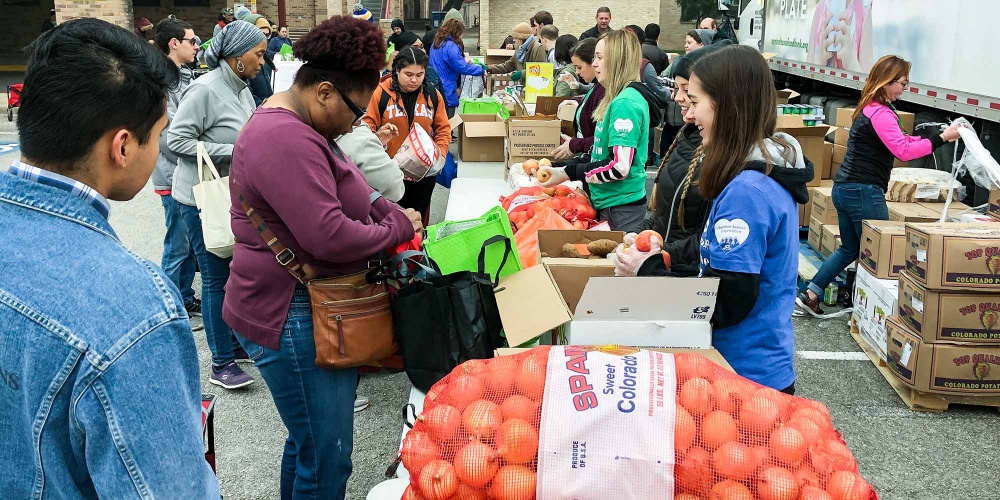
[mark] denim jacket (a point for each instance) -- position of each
(99, 384)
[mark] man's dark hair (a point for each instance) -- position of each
(543, 17)
(564, 49)
(639, 33)
(604, 10)
(652, 31)
(167, 30)
(85, 78)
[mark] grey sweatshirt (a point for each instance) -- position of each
(213, 110)
(163, 174)
(366, 151)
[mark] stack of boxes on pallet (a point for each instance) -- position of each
(927, 301)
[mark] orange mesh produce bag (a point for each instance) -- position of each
(621, 423)
(527, 236)
(570, 204)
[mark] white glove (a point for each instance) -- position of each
(628, 259)
(557, 177)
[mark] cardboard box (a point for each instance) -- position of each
(845, 119)
(641, 311)
(831, 239)
(481, 137)
(834, 167)
(838, 153)
(532, 137)
(805, 210)
(993, 209)
(954, 256)
(572, 274)
(498, 56)
(786, 95)
(953, 317)
(711, 353)
(883, 248)
(815, 233)
(841, 136)
(827, 160)
(910, 212)
(549, 106)
(811, 139)
(874, 301)
(954, 210)
(822, 205)
(972, 370)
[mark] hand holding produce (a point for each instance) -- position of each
(551, 176)
(628, 257)
(645, 240)
(386, 133)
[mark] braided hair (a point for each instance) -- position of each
(689, 180)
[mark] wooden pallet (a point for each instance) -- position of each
(914, 399)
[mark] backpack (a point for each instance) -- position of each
(383, 102)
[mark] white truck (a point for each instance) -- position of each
(955, 72)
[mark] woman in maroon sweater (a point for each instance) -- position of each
(583, 59)
(316, 201)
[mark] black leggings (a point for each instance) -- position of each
(790, 390)
(418, 196)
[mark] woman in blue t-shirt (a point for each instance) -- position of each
(755, 178)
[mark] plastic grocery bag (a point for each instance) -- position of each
(473, 86)
(600, 422)
(418, 156)
(526, 236)
(448, 172)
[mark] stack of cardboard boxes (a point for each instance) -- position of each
(844, 121)
(814, 147)
(944, 336)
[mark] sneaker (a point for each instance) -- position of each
(230, 376)
(360, 404)
(197, 324)
(812, 305)
(193, 308)
(241, 354)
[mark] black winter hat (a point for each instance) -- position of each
(682, 66)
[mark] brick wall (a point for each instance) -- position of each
(576, 16)
(114, 11)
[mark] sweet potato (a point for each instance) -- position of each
(602, 248)
(569, 250)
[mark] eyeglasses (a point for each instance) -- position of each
(193, 41)
(358, 112)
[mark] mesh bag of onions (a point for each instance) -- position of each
(621, 423)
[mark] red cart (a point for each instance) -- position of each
(13, 99)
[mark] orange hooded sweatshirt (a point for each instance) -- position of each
(434, 121)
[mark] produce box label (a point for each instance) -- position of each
(970, 262)
(966, 370)
(621, 403)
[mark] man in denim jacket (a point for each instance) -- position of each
(85, 323)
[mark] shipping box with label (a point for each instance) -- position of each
(883, 248)
(481, 137)
(949, 316)
(815, 234)
(910, 212)
(954, 256)
(822, 205)
(966, 370)
(827, 160)
(831, 239)
(532, 137)
(634, 311)
(874, 301)
(993, 208)
(498, 81)
(955, 209)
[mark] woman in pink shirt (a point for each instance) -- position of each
(859, 187)
(288, 167)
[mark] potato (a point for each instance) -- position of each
(569, 250)
(602, 248)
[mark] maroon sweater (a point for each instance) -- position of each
(585, 122)
(315, 200)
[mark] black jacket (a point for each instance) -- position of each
(738, 292)
(656, 56)
(591, 33)
(577, 168)
(683, 240)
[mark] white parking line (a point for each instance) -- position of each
(839, 356)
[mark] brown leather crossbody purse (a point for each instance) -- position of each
(352, 318)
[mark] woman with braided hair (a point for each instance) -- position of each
(405, 99)
(679, 210)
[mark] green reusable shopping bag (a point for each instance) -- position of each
(482, 106)
(454, 245)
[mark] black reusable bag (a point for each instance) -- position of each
(442, 321)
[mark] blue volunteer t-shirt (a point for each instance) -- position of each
(753, 228)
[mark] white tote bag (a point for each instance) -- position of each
(211, 194)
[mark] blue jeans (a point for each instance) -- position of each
(214, 275)
(855, 203)
(178, 260)
(315, 404)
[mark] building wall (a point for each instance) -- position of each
(22, 25)
(576, 16)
